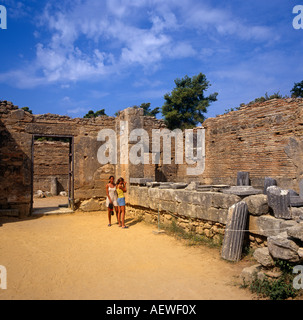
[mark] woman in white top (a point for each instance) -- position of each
(111, 200)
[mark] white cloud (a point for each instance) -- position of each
(91, 38)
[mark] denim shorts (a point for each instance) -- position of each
(121, 202)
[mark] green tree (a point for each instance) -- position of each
(147, 110)
(92, 114)
(27, 109)
(185, 107)
(297, 90)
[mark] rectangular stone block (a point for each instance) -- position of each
(265, 225)
(243, 179)
(187, 210)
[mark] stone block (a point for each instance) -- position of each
(90, 205)
(257, 204)
(184, 196)
(242, 191)
(202, 199)
(168, 206)
(179, 185)
(243, 179)
(279, 201)
(296, 231)
(223, 201)
(296, 201)
(152, 184)
(249, 274)
(187, 210)
(281, 247)
(212, 214)
(263, 257)
(192, 186)
(54, 186)
(139, 181)
(297, 213)
(268, 225)
(286, 224)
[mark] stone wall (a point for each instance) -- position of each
(17, 129)
(264, 139)
(205, 213)
(51, 160)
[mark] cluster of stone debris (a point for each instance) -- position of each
(287, 243)
(276, 214)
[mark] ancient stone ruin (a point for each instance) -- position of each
(250, 191)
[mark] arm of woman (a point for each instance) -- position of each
(107, 193)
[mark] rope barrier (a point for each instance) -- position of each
(226, 230)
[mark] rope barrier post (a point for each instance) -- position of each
(159, 231)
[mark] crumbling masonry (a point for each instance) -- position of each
(264, 140)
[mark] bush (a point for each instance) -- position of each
(278, 289)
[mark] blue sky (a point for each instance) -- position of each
(68, 57)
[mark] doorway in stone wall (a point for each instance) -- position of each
(52, 174)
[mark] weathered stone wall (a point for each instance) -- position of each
(51, 160)
(205, 213)
(158, 172)
(15, 160)
(211, 206)
(264, 139)
(17, 128)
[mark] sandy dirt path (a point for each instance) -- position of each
(77, 256)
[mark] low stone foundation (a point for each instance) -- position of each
(212, 230)
(203, 213)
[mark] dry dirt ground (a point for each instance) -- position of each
(77, 256)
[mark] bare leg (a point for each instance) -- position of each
(123, 216)
(109, 217)
(119, 216)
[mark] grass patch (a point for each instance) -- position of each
(277, 289)
(191, 238)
